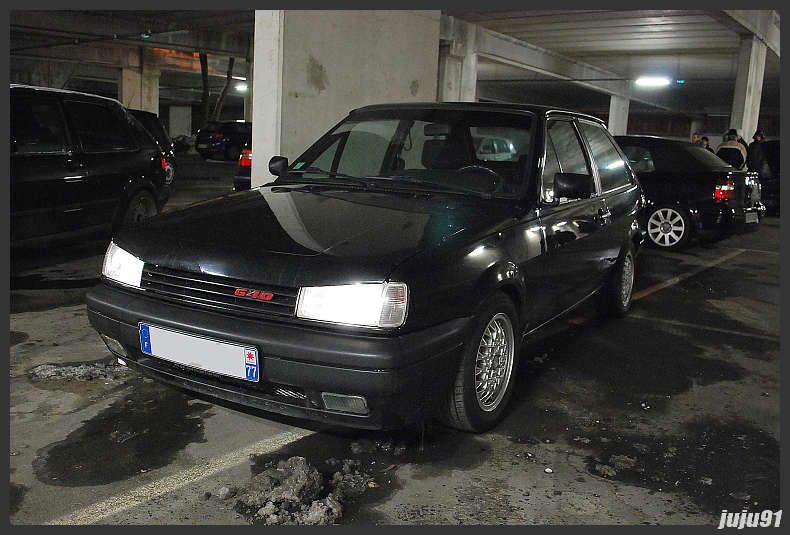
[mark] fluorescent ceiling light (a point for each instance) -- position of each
(652, 81)
(241, 87)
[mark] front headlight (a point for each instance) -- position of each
(122, 266)
(366, 305)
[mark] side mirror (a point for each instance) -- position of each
(573, 186)
(278, 165)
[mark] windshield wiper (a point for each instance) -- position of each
(331, 174)
(426, 184)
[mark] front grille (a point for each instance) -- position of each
(212, 291)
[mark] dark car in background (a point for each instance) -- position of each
(690, 191)
(243, 178)
(388, 274)
(225, 139)
(153, 124)
(81, 165)
(769, 176)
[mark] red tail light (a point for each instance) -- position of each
(164, 163)
(217, 134)
(245, 160)
(725, 189)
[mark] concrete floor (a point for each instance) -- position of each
(667, 416)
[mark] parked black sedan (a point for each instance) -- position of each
(690, 191)
(388, 274)
(769, 176)
(225, 139)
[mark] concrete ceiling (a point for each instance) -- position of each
(697, 46)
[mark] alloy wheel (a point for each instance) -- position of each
(666, 227)
(494, 362)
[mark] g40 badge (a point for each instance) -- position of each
(253, 294)
(251, 364)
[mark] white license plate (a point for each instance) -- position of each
(752, 217)
(225, 358)
(202, 145)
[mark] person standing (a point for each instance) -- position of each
(706, 143)
(696, 139)
(731, 151)
(754, 154)
(740, 139)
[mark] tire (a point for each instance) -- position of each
(473, 403)
(232, 153)
(141, 206)
(668, 227)
(616, 297)
(170, 171)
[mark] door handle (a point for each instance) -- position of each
(604, 214)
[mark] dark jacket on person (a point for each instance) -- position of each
(754, 156)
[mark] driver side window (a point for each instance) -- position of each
(564, 154)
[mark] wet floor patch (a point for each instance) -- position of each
(18, 337)
(142, 431)
(719, 465)
(87, 380)
(17, 495)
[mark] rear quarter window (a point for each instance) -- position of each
(99, 128)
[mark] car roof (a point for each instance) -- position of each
(654, 139)
(33, 88)
(537, 109)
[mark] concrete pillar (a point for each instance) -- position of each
(248, 95)
(748, 86)
(138, 85)
(180, 121)
(618, 115)
(312, 67)
(267, 91)
(458, 68)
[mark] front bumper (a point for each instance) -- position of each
(402, 378)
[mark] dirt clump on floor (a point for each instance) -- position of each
(293, 492)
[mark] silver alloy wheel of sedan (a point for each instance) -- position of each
(666, 227)
(494, 362)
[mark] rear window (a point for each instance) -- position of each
(705, 158)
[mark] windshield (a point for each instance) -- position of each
(471, 151)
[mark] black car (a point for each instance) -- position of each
(153, 124)
(769, 176)
(690, 191)
(81, 165)
(243, 178)
(388, 274)
(225, 139)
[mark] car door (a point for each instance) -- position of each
(571, 262)
(108, 152)
(619, 193)
(44, 171)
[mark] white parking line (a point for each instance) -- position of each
(116, 504)
(675, 280)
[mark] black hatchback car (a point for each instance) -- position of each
(225, 139)
(389, 274)
(690, 191)
(81, 165)
(156, 128)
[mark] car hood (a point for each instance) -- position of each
(296, 236)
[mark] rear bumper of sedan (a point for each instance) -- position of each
(719, 218)
(401, 378)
